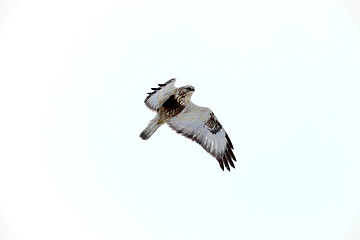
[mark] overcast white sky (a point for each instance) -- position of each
(281, 76)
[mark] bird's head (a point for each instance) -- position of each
(188, 88)
(187, 91)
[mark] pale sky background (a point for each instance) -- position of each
(283, 77)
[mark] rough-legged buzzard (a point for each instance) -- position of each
(173, 106)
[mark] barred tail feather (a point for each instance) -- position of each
(150, 129)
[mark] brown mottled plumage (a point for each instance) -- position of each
(173, 105)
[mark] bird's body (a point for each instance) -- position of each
(173, 106)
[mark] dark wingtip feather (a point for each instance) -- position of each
(228, 157)
(226, 163)
(167, 82)
(221, 164)
(232, 155)
(229, 141)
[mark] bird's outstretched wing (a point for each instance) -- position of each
(160, 94)
(201, 125)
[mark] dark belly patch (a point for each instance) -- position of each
(171, 107)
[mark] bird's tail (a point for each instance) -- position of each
(150, 129)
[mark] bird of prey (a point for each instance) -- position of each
(173, 106)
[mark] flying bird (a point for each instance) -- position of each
(173, 106)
